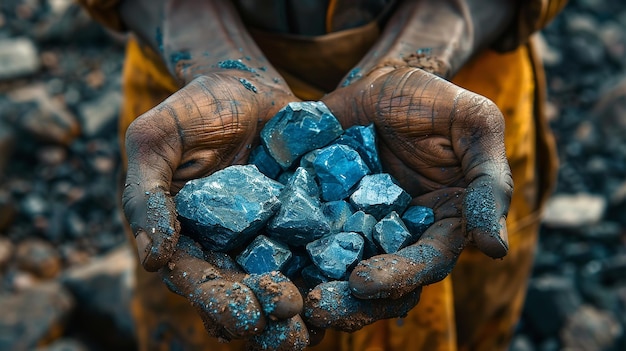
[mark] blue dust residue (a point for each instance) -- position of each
(179, 56)
(424, 51)
(354, 74)
(235, 64)
(247, 85)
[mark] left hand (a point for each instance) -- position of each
(445, 146)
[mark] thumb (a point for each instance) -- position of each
(153, 148)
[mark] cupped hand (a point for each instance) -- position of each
(209, 124)
(445, 146)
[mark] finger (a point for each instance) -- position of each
(278, 296)
(332, 305)
(229, 309)
(428, 261)
(284, 335)
(147, 203)
(478, 131)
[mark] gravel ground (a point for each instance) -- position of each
(59, 166)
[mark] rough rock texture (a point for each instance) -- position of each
(337, 213)
(264, 162)
(339, 168)
(363, 140)
(228, 207)
(264, 255)
(336, 254)
(378, 195)
(417, 219)
(391, 234)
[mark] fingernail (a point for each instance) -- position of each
(144, 244)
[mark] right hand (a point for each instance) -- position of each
(209, 124)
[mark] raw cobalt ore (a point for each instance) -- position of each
(418, 219)
(264, 162)
(302, 179)
(391, 234)
(363, 140)
(299, 220)
(229, 207)
(339, 168)
(264, 255)
(337, 213)
(363, 224)
(336, 254)
(297, 129)
(378, 195)
(299, 259)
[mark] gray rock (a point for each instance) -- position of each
(336, 254)
(103, 289)
(33, 315)
(337, 213)
(264, 162)
(363, 224)
(417, 219)
(297, 129)
(18, 58)
(101, 114)
(229, 207)
(378, 195)
(391, 234)
(299, 220)
(264, 255)
(363, 140)
(339, 168)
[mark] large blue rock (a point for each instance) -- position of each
(363, 140)
(417, 219)
(264, 162)
(363, 223)
(264, 255)
(297, 129)
(336, 254)
(299, 220)
(229, 207)
(338, 168)
(391, 234)
(337, 213)
(378, 195)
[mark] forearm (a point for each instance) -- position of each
(198, 37)
(439, 36)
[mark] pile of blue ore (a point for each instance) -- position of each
(312, 202)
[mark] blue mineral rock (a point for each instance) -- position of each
(313, 276)
(299, 220)
(336, 254)
(229, 207)
(299, 260)
(306, 161)
(363, 140)
(378, 195)
(337, 213)
(297, 129)
(264, 255)
(264, 162)
(391, 234)
(338, 168)
(418, 219)
(363, 223)
(301, 178)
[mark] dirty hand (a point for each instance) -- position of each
(445, 146)
(209, 124)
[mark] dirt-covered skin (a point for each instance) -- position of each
(333, 305)
(281, 335)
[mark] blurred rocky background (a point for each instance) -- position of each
(66, 274)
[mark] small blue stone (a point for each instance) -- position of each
(363, 223)
(338, 168)
(297, 129)
(299, 259)
(378, 195)
(337, 213)
(302, 179)
(418, 219)
(363, 140)
(313, 276)
(263, 255)
(307, 160)
(299, 220)
(336, 254)
(264, 162)
(391, 234)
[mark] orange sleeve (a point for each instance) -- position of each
(105, 12)
(532, 15)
